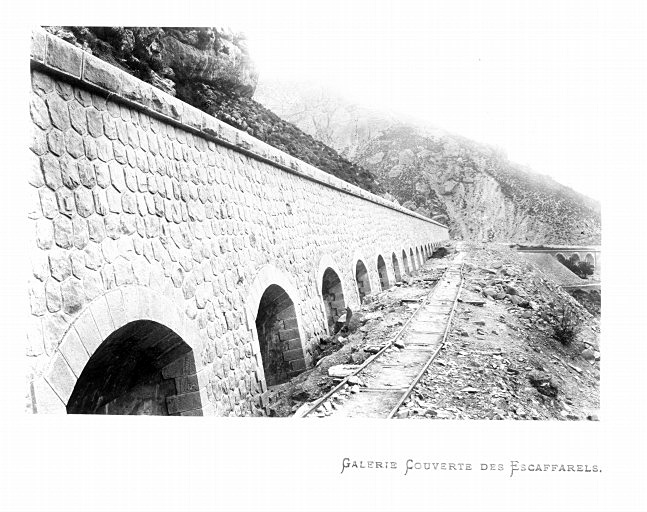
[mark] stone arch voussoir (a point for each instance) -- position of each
(96, 322)
(267, 276)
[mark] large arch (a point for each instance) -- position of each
(405, 262)
(130, 351)
(267, 276)
(280, 342)
(382, 273)
(419, 258)
(590, 259)
(396, 268)
(412, 260)
(135, 370)
(348, 289)
(362, 279)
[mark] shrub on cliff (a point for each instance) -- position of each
(565, 326)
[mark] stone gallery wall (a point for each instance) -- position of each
(157, 231)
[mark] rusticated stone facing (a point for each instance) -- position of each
(186, 225)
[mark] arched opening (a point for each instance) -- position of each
(560, 257)
(382, 273)
(141, 368)
(574, 258)
(590, 259)
(405, 263)
(363, 283)
(396, 269)
(333, 296)
(412, 259)
(278, 336)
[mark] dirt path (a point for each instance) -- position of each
(500, 360)
(375, 390)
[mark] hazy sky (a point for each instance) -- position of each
(538, 80)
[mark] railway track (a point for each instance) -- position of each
(378, 388)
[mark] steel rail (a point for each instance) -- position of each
(436, 352)
(339, 386)
(375, 356)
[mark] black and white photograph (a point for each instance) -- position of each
(354, 246)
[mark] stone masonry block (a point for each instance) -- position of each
(63, 56)
(101, 314)
(74, 352)
(165, 104)
(193, 117)
(293, 355)
(51, 168)
(297, 365)
(185, 402)
(45, 400)
(39, 112)
(131, 302)
(290, 323)
(135, 90)
(88, 332)
(100, 73)
(294, 343)
(189, 383)
(117, 308)
(194, 412)
(61, 378)
(38, 45)
(183, 366)
(58, 112)
(290, 334)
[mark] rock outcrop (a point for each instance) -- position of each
(471, 187)
(210, 69)
(475, 189)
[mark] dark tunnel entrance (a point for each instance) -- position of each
(382, 273)
(363, 283)
(396, 269)
(278, 336)
(333, 297)
(405, 263)
(135, 371)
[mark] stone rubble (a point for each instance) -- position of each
(500, 360)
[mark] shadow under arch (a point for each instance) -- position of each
(590, 259)
(279, 339)
(396, 268)
(135, 370)
(256, 302)
(382, 273)
(362, 279)
(405, 262)
(124, 354)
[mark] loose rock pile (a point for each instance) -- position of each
(371, 327)
(500, 360)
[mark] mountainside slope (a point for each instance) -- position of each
(210, 69)
(472, 187)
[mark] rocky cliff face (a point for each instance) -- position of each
(477, 191)
(210, 69)
(473, 188)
